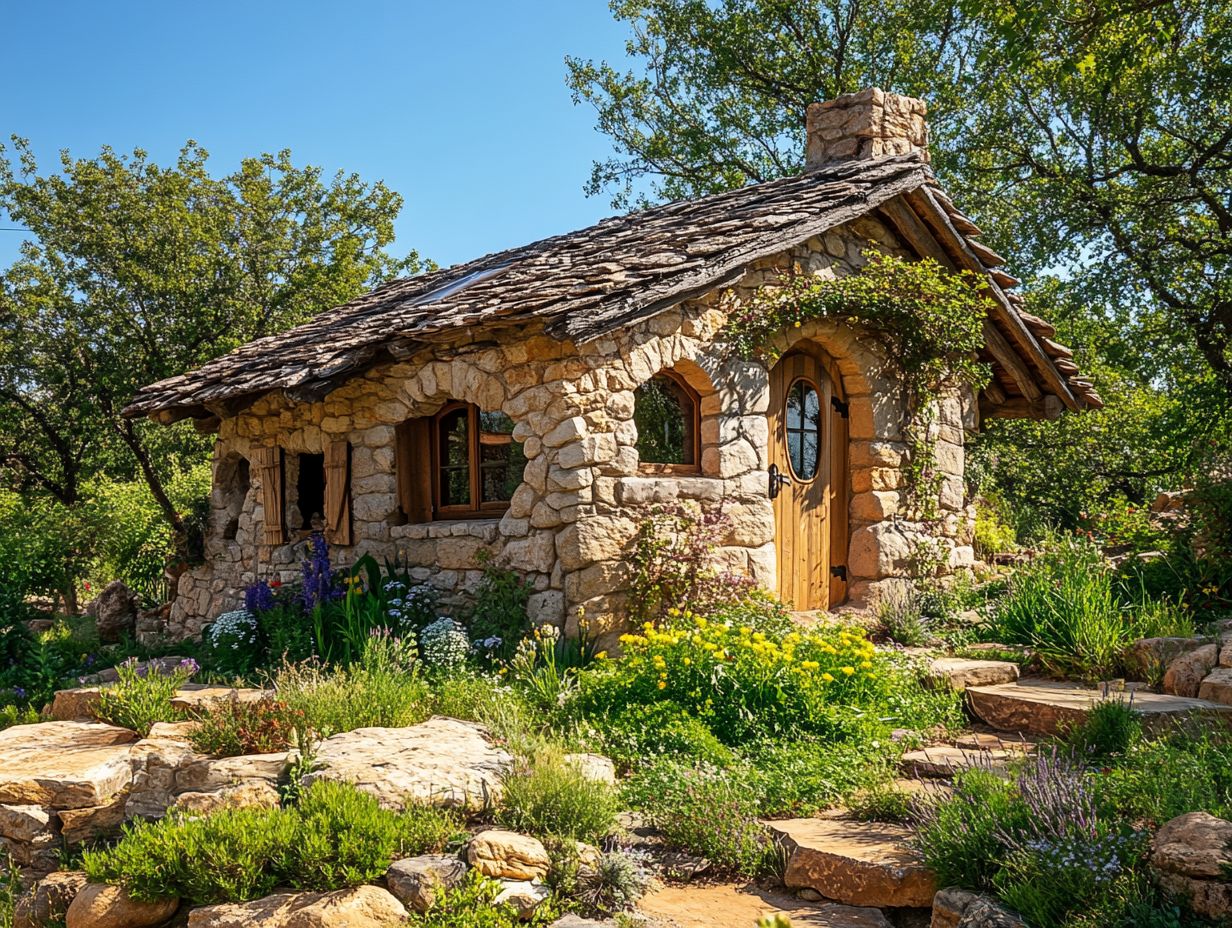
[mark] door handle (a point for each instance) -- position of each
(778, 480)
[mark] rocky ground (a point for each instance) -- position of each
(73, 779)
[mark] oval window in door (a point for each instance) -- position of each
(803, 426)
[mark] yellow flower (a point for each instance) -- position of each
(827, 677)
(662, 685)
(866, 665)
(688, 661)
(848, 670)
(810, 665)
(602, 655)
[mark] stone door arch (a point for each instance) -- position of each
(808, 478)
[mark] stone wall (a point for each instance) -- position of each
(571, 520)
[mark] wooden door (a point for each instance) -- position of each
(803, 454)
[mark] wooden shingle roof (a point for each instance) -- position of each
(580, 285)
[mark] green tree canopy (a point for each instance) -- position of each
(137, 271)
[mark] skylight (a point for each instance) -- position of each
(445, 290)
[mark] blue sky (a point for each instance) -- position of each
(461, 108)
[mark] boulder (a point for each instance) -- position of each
(507, 855)
(77, 704)
(961, 908)
(442, 762)
(213, 773)
(1192, 855)
(360, 907)
(524, 896)
(1146, 657)
(958, 673)
(1185, 673)
(1217, 686)
(593, 766)
(856, 863)
(251, 794)
(24, 823)
(64, 765)
(1225, 653)
(415, 880)
(115, 612)
(89, 824)
(199, 697)
(48, 900)
(98, 905)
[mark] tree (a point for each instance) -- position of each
(137, 272)
(725, 85)
(1105, 129)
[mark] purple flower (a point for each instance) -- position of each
(259, 598)
(319, 584)
(19, 692)
(189, 666)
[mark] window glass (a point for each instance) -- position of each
(501, 460)
(803, 417)
(455, 486)
(664, 413)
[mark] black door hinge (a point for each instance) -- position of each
(840, 571)
(839, 406)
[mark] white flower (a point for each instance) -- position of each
(444, 643)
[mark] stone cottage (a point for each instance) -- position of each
(539, 402)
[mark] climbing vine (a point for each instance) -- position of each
(927, 321)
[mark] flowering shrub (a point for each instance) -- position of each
(444, 644)
(231, 728)
(409, 608)
(319, 584)
(743, 683)
(233, 642)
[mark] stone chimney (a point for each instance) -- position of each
(864, 125)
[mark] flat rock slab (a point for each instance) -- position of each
(442, 762)
(724, 905)
(958, 673)
(855, 863)
(64, 765)
(1046, 707)
(945, 760)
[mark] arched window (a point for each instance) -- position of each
(460, 463)
(666, 412)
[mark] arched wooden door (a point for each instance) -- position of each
(808, 480)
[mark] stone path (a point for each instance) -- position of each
(1047, 707)
(724, 905)
(855, 863)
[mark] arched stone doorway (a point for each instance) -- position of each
(808, 478)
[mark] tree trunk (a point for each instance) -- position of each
(153, 481)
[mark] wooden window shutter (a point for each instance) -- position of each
(268, 464)
(414, 466)
(338, 492)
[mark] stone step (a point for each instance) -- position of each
(727, 905)
(958, 673)
(1049, 707)
(945, 760)
(855, 863)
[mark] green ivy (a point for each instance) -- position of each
(928, 323)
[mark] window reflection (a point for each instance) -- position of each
(803, 427)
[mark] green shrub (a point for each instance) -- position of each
(707, 811)
(142, 697)
(900, 616)
(960, 838)
(336, 837)
(483, 698)
(883, 802)
(615, 885)
(660, 728)
(471, 905)
(805, 775)
(230, 728)
(1066, 606)
(380, 690)
(499, 607)
(16, 715)
(286, 633)
(1157, 780)
(1109, 730)
(993, 532)
(546, 795)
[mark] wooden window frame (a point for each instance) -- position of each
(821, 429)
(478, 508)
(693, 427)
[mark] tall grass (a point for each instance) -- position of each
(1068, 606)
